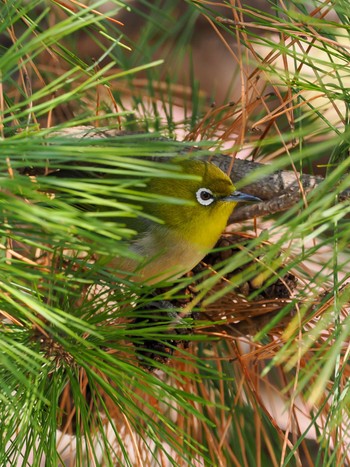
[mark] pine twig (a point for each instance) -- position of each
(279, 190)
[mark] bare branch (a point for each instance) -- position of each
(279, 191)
(269, 186)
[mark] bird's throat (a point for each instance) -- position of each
(164, 256)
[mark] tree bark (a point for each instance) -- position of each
(278, 191)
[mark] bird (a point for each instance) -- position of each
(185, 232)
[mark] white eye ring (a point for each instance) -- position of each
(204, 196)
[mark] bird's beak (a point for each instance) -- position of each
(239, 197)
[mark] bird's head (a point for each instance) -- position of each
(207, 202)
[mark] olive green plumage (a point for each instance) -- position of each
(186, 232)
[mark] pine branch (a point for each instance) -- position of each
(279, 190)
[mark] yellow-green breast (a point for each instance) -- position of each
(188, 231)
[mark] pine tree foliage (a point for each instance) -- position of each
(245, 361)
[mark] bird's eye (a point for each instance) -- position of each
(204, 196)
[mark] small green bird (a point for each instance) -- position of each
(186, 232)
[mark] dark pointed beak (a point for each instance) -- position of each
(239, 197)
